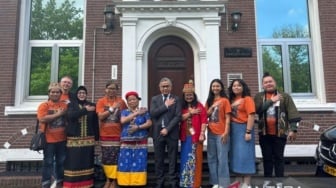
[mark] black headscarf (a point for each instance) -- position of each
(81, 88)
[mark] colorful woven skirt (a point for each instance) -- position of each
(79, 162)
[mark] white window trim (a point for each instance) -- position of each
(284, 44)
(24, 105)
(318, 101)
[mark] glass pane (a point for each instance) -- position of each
(300, 69)
(272, 63)
(40, 70)
(56, 20)
(69, 64)
(282, 19)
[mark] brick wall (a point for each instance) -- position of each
(328, 26)
(8, 52)
(245, 37)
(108, 48)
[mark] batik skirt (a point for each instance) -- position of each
(132, 164)
(110, 153)
(191, 163)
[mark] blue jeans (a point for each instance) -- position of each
(53, 152)
(218, 160)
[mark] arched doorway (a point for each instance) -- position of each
(171, 57)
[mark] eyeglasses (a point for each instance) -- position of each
(165, 86)
(111, 88)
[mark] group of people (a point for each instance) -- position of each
(226, 121)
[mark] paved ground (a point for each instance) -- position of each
(257, 182)
(297, 176)
(296, 182)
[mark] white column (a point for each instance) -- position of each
(129, 61)
(202, 79)
(211, 39)
(210, 58)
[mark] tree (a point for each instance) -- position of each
(298, 62)
(54, 21)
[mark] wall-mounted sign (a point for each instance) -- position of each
(114, 72)
(237, 52)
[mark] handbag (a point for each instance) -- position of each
(38, 140)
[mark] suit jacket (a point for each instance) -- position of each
(171, 116)
(287, 113)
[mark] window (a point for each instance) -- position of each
(289, 62)
(289, 47)
(284, 43)
(52, 48)
(55, 43)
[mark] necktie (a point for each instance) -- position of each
(165, 98)
(163, 118)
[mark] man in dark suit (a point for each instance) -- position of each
(165, 111)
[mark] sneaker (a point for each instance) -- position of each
(279, 185)
(243, 185)
(266, 183)
(53, 185)
(215, 186)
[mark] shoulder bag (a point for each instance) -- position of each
(38, 140)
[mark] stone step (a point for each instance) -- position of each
(28, 175)
(32, 180)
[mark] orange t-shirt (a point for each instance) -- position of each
(65, 98)
(54, 130)
(270, 117)
(217, 118)
(246, 106)
(110, 127)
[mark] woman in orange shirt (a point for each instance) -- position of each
(218, 110)
(51, 115)
(108, 109)
(242, 152)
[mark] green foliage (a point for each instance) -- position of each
(40, 71)
(272, 63)
(291, 31)
(299, 64)
(53, 20)
(299, 68)
(68, 65)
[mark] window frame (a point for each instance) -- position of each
(24, 104)
(316, 102)
(285, 43)
(55, 45)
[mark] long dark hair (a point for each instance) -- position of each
(193, 102)
(211, 96)
(246, 89)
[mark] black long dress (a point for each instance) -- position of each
(81, 135)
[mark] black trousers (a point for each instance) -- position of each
(272, 149)
(160, 145)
